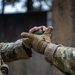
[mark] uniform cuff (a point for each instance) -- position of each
(50, 51)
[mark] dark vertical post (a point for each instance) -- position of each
(3, 4)
(29, 5)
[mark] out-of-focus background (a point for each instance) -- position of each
(17, 16)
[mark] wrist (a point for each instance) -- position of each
(49, 52)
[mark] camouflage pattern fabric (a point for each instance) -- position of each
(11, 52)
(63, 59)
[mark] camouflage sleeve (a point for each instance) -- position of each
(14, 51)
(64, 59)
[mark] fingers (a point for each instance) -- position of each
(34, 29)
(37, 28)
(43, 28)
(27, 35)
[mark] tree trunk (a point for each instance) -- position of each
(63, 21)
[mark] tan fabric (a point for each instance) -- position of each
(39, 42)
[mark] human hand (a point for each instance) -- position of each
(39, 42)
(43, 28)
(27, 41)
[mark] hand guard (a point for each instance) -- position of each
(39, 42)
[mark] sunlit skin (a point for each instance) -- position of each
(37, 28)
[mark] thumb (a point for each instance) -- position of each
(28, 35)
(49, 30)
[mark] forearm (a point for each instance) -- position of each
(65, 57)
(14, 51)
(49, 52)
(62, 57)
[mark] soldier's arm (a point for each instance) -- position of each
(61, 57)
(14, 51)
